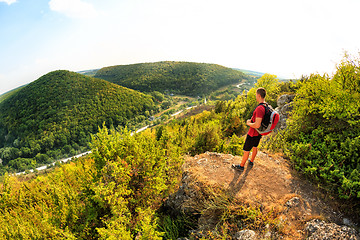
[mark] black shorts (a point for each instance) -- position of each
(251, 142)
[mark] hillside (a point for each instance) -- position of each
(187, 78)
(56, 114)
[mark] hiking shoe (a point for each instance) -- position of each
(238, 167)
(250, 162)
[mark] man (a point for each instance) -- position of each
(253, 137)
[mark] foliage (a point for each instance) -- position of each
(271, 85)
(175, 227)
(55, 115)
(135, 173)
(289, 87)
(116, 193)
(114, 196)
(225, 215)
(48, 207)
(323, 136)
(218, 130)
(192, 79)
(230, 92)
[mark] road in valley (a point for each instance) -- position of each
(73, 157)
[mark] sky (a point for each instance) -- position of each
(281, 37)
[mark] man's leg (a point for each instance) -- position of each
(247, 148)
(253, 154)
(244, 158)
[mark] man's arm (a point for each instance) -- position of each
(256, 124)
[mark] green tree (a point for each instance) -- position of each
(271, 85)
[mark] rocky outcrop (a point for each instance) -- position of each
(284, 108)
(189, 191)
(269, 185)
(318, 229)
(245, 235)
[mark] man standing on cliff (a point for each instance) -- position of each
(253, 137)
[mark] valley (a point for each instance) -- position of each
(144, 151)
(40, 127)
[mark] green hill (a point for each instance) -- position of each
(192, 79)
(56, 114)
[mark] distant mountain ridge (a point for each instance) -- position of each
(9, 93)
(259, 74)
(92, 73)
(186, 78)
(249, 72)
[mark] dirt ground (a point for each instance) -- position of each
(270, 183)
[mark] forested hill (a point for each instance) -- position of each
(192, 79)
(57, 113)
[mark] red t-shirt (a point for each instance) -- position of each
(259, 112)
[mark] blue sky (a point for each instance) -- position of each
(282, 37)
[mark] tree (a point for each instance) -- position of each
(158, 96)
(348, 74)
(271, 85)
(134, 174)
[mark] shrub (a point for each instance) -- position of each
(135, 173)
(323, 135)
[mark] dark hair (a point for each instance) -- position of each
(261, 91)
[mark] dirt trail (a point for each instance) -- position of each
(270, 183)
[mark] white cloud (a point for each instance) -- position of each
(8, 1)
(73, 8)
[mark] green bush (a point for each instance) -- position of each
(323, 135)
(135, 173)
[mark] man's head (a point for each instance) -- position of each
(260, 94)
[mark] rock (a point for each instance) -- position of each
(176, 201)
(346, 221)
(245, 235)
(284, 99)
(294, 202)
(318, 229)
(284, 109)
(211, 154)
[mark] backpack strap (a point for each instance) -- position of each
(265, 105)
(262, 104)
